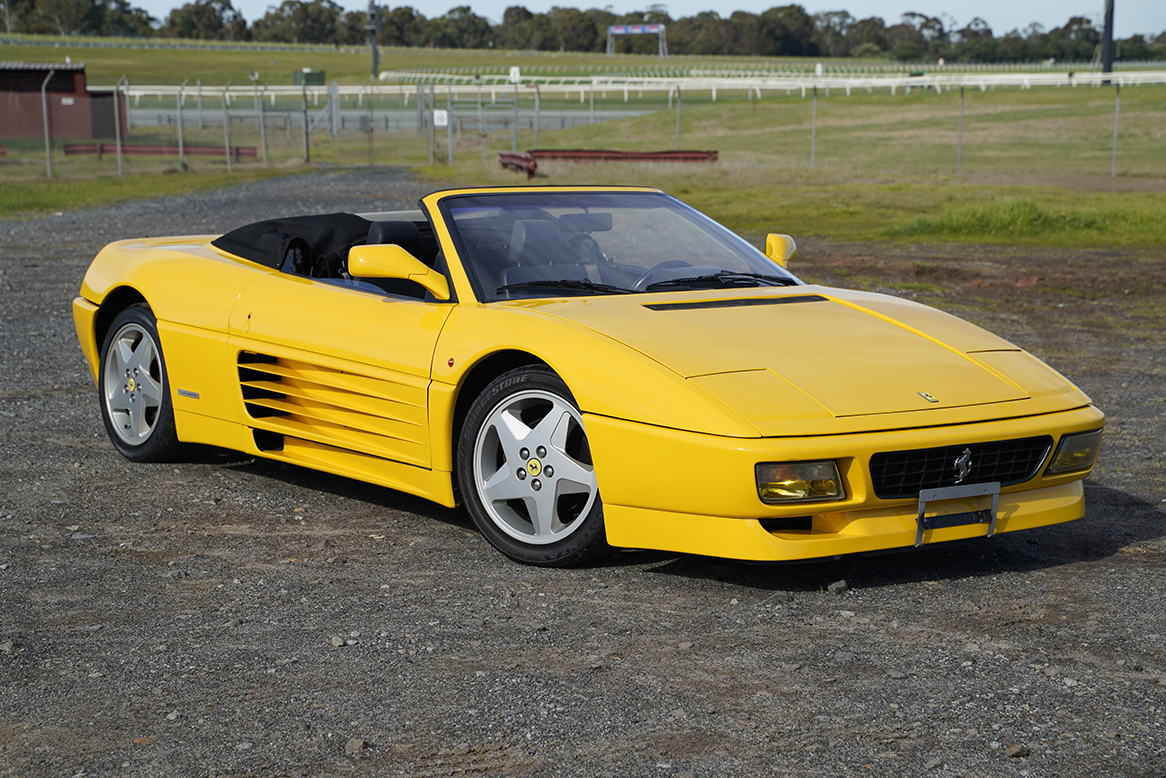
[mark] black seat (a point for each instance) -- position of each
(535, 242)
(403, 234)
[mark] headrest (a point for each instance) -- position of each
(403, 234)
(535, 242)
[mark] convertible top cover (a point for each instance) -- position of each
(266, 242)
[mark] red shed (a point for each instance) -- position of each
(74, 112)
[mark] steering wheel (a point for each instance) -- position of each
(645, 278)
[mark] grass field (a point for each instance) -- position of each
(1035, 163)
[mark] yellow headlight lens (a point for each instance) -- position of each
(1076, 452)
(785, 482)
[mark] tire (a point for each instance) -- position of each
(134, 390)
(526, 473)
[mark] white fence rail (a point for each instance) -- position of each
(495, 88)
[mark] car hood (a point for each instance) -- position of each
(813, 353)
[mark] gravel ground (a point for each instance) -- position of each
(229, 616)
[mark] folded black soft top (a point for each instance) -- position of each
(266, 242)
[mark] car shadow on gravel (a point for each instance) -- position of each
(350, 489)
(1114, 522)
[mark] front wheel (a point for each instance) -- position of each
(526, 472)
(135, 397)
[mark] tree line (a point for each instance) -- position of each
(780, 31)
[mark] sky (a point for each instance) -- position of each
(1130, 16)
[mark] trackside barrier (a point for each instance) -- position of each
(608, 155)
(101, 149)
(514, 161)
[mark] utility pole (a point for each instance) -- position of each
(373, 24)
(1107, 40)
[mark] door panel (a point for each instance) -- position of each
(337, 366)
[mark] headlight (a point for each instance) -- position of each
(1076, 452)
(785, 482)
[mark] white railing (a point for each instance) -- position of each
(570, 87)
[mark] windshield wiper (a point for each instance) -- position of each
(725, 278)
(585, 284)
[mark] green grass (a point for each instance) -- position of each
(1026, 221)
(26, 198)
(1035, 163)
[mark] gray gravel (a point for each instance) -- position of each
(229, 616)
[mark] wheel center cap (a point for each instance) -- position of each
(534, 467)
(133, 385)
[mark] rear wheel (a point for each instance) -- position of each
(135, 396)
(526, 471)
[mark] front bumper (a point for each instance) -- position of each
(685, 492)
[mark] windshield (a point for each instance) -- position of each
(554, 244)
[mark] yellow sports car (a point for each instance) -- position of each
(584, 368)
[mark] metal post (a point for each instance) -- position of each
(129, 124)
(814, 131)
(200, 124)
(1116, 116)
(117, 120)
(449, 121)
(181, 148)
(481, 125)
(591, 110)
(678, 98)
(371, 125)
(44, 105)
(430, 107)
(227, 126)
(959, 149)
(514, 123)
(262, 124)
(307, 152)
(536, 114)
(420, 109)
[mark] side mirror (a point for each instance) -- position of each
(780, 248)
(392, 261)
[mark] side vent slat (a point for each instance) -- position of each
(286, 398)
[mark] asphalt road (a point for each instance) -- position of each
(228, 616)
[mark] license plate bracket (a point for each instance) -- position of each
(982, 516)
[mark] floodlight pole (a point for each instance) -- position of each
(44, 104)
(1107, 40)
(373, 24)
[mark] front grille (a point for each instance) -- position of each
(898, 474)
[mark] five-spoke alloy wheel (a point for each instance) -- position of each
(135, 400)
(526, 473)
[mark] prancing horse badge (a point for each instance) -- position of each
(963, 465)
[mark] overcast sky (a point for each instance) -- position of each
(1130, 16)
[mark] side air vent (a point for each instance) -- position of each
(360, 412)
(268, 441)
(742, 303)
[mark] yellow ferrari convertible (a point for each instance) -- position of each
(584, 368)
